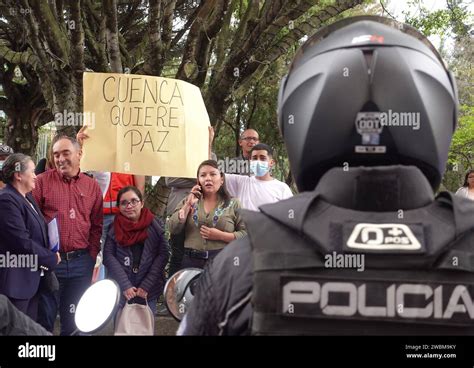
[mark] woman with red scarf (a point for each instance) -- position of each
(136, 250)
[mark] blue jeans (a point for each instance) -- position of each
(177, 252)
(74, 278)
(48, 309)
(108, 221)
(152, 305)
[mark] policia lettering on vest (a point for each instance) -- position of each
(357, 169)
(431, 302)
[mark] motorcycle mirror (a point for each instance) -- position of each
(179, 291)
(97, 306)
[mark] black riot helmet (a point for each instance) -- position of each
(367, 91)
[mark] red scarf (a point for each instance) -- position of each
(128, 233)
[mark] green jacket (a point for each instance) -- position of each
(229, 220)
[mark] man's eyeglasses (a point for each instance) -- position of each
(248, 139)
(133, 202)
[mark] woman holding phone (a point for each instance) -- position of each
(209, 216)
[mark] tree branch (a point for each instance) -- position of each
(97, 49)
(154, 53)
(25, 57)
(168, 23)
(186, 26)
(77, 40)
(110, 11)
(195, 60)
(308, 27)
(385, 9)
(129, 17)
(242, 65)
(50, 29)
(222, 39)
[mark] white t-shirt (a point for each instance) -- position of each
(253, 192)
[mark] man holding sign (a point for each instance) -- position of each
(75, 200)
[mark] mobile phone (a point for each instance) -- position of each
(198, 195)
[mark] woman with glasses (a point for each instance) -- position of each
(209, 216)
(136, 250)
(467, 189)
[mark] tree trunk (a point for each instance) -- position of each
(68, 100)
(157, 198)
(23, 122)
(21, 132)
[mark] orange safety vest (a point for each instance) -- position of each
(117, 182)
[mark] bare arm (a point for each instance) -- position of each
(140, 183)
(211, 140)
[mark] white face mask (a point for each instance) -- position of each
(259, 168)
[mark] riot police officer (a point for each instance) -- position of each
(367, 113)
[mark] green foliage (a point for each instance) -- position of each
(438, 22)
(434, 23)
(258, 110)
(461, 157)
(453, 22)
(462, 143)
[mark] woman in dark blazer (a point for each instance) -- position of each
(136, 250)
(23, 236)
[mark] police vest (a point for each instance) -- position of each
(117, 182)
(326, 270)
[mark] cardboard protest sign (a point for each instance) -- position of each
(144, 125)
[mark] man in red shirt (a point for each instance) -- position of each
(75, 200)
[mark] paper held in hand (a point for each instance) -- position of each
(53, 235)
